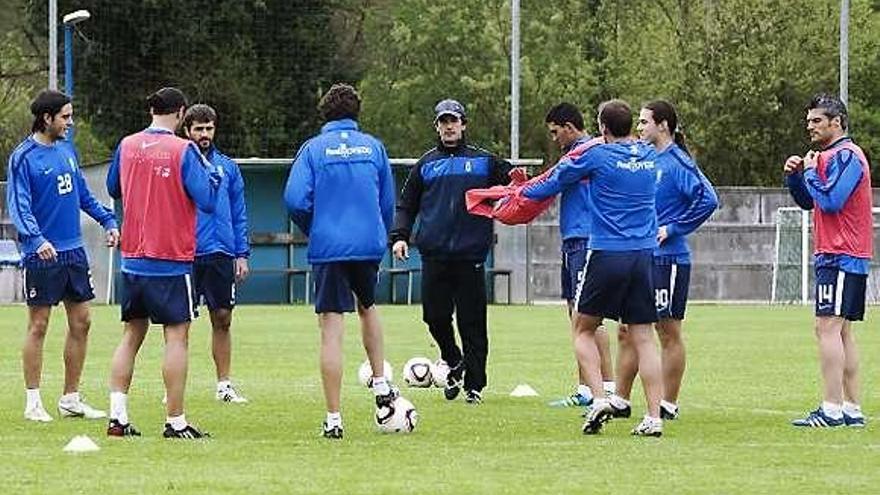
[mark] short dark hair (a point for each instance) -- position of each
(616, 116)
(166, 101)
(47, 102)
(565, 113)
(341, 101)
(199, 113)
(831, 106)
(663, 111)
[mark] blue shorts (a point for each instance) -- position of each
(214, 276)
(338, 283)
(165, 300)
(671, 284)
(68, 278)
(574, 255)
(618, 285)
(839, 293)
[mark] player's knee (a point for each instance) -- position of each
(38, 327)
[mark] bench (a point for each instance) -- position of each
(290, 273)
(393, 273)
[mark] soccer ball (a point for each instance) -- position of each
(439, 372)
(400, 417)
(417, 372)
(365, 373)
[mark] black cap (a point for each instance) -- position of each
(449, 107)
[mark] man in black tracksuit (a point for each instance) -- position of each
(453, 244)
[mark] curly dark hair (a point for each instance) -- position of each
(341, 101)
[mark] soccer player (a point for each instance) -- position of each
(685, 200)
(565, 123)
(834, 180)
(161, 180)
(340, 193)
(222, 247)
(45, 194)
(617, 281)
(453, 244)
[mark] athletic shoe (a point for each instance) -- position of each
(854, 421)
(229, 394)
(389, 398)
(37, 413)
(600, 413)
(648, 428)
(117, 429)
(454, 382)
(818, 419)
(573, 400)
(188, 433)
(473, 397)
(616, 412)
(79, 410)
(334, 433)
(670, 413)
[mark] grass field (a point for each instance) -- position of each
(751, 369)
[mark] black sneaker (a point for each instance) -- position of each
(117, 429)
(334, 433)
(473, 397)
(388, 399)
(188, 433)
(454, 382)
(623, 412)
(668, 413)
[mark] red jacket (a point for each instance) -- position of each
(849, 231)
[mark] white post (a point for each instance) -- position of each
(805, 256)
(53, 44)
(514, 79)
(844, 51)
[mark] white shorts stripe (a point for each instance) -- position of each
(189, 297)
(673, 271)
(838, 297)
(582, 277)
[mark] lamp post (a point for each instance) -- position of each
(70, 21)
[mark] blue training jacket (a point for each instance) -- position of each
(622, 187)
(340, 193)
(574, 214)
(685, 199)
(226, 229)
(45, 193)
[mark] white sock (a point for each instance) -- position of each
(33, 398)
(119, 407)
(669, 406)
(653, 421)
(618, 402)
(609, 387)
(334, 419)
(584, 391)
(71, 398)
(834, 411)
(852, 410)
(380, 386)
(177, 422)
(224, 384)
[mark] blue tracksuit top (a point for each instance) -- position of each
(226, 229)
(685, 199)
(434, 194)
(45, 193)
(574, 216)
(340, 193)
(622, 186)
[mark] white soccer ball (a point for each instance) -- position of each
(400, 417)
(365, 373)
(439, 372)
(417, 372)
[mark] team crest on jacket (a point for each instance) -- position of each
(468, 166)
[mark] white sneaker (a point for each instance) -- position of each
(79, 410)
(37, 413)
(229, 394)
(648, 428)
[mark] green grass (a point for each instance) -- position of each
(750, 370)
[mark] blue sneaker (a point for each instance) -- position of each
(573, 400)
(854, 421)
(818, 419)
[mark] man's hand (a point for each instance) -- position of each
(401, 250)
(241, 269)
(662, 235)
(793, 164)
(518, 176)
(811, 159)
(47, 252)
(112, 238)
